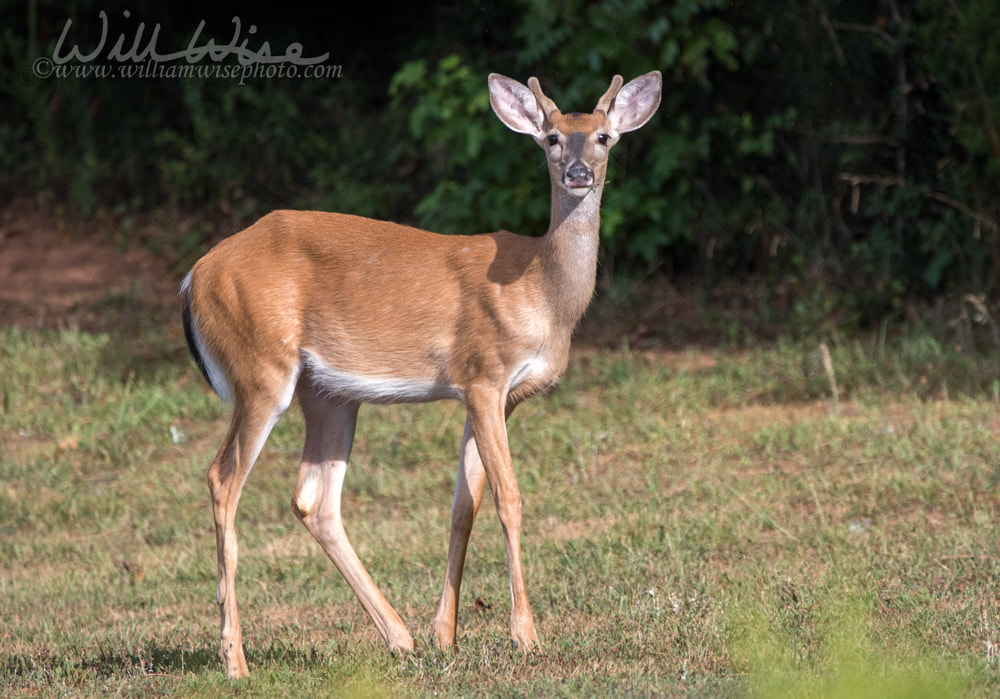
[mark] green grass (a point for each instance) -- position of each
(701, 523)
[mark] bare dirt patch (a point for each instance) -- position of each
(51, 273)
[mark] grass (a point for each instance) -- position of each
(708, 522)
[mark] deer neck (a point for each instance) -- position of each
(571, 252)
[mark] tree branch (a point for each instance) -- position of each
(856, 180)
(831, 33)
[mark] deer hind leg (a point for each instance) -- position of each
(469, 489)
(254, 414)
(488, 420)
(330, 428)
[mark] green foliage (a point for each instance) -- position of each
(476, 175)
(786, 146)
(223, 147)
(847, 148)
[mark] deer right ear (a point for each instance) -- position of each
(515, 105)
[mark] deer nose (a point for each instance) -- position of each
(579, 175)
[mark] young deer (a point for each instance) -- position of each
(341, 310)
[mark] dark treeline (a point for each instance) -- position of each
(829, 155)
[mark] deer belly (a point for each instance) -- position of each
(374, 388)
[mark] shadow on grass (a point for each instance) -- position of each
(43, 665)
(157, 659)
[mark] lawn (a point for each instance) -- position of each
(703, 521)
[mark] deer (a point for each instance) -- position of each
(338, 310)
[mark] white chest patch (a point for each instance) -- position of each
(533, 367)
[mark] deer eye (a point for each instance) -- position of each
(553, 140)
(603, 139)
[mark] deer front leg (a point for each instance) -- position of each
(469, 488)
(487, 418)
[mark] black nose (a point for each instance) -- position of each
(579, 176)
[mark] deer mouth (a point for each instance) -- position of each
(579, 192)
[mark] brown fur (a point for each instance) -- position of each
(341, 310)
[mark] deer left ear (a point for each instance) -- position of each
(636, 102)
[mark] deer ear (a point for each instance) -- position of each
(515, 105)
(636, 102)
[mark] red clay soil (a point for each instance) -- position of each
(51, 276)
